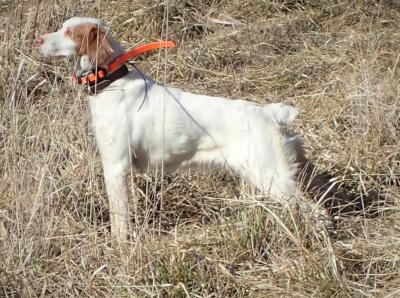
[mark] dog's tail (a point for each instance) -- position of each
(281, 113)
(326, 190)
(322, 186)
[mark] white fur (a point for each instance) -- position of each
(177, 128)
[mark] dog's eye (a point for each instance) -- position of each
(67, 32)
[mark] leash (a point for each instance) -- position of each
(98, 78)
(145, 84)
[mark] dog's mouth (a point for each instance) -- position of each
(49, 52)
(56, 56)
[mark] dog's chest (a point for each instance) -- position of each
(148, 138)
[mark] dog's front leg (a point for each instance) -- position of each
(114, 174)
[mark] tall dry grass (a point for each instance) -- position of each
(196, 234)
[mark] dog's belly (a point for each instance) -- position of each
(168, 154)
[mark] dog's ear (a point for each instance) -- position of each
(95, 44)
(102, 49)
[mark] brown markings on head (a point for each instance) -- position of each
(91, 40)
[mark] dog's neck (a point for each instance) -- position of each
(85, 64)
(85, 67)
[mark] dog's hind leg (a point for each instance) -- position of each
(263, 158)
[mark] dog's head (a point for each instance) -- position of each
(81, 37)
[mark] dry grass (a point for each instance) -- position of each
(202, 235)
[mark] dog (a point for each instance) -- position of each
(139, 123)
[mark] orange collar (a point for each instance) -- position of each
(99, 74)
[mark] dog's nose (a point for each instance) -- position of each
(39, 40)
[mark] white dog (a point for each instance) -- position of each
(142, 124)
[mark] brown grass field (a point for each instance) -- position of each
(202, 234)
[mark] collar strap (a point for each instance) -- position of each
(99, 78)
(132, 54)
(98, 82)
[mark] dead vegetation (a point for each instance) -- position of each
(196, 234)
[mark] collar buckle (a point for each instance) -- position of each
(91, 77)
